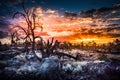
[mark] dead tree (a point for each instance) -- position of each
(60, 54)
(49, 48)
(30, 18)
(14, 38)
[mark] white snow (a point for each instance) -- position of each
(78, 69)
(32, 65)
(67, 67)
(26, 68)
(38, 53)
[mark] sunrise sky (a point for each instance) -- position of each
(85, 20)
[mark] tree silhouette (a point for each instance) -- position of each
(14, 37)
(30, 18)
(46, 48)
(116, 46)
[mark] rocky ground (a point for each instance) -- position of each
(17, 67)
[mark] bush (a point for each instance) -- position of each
(4, 47)
(102, 56)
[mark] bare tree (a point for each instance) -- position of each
(50, 48)
(14, 36)
(46, 48)
(30, 18)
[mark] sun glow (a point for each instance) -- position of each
(96, 40)
(89, 39)
(85, 40)
(64, 29)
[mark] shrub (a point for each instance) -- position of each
(102, 56)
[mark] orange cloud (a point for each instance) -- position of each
(64, 29)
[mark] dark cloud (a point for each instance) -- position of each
(100, 12)
(3, 24)
(112, 32)
(3, 34)
(114, 35)
(106, 32)
(70, 15)
(10, 2)
(112, 29)
(113, 25)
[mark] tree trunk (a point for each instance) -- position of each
(65, 54)
(33, 47)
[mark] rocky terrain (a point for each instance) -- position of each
(15, 66)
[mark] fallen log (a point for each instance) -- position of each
(64, 54)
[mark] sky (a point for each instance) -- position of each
(66, 20)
